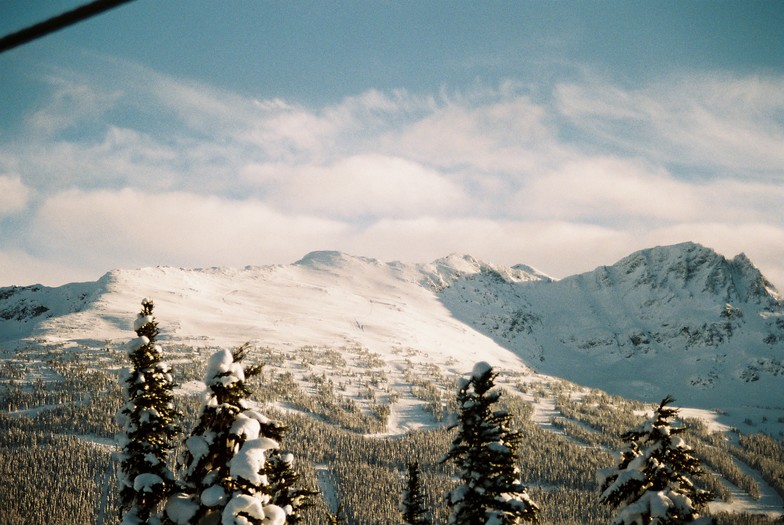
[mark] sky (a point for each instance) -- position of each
(563, 135)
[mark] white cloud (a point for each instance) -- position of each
(562, 248)
(277, 129)
(292, 134)
(606, 188)
(732, 201)
(556, 247)
(610, 188)
(511, 135)
(564, 183)
(359, 186)
(14, 195)
(121, 156)
(129, 228)
(297, 134)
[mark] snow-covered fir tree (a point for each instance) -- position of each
(413, 503)
(226, 453)
(148, 422)
(651, 484)
(485, 451)
(284, 485)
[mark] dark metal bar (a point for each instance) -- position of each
(58, 22)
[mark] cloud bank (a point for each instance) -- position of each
(139, 168)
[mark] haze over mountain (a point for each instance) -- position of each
(678, 320)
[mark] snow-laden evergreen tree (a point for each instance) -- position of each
(485, 451)
(225, 480)
(413, 504)
(651, 484)
(148, 422)
(284, 485)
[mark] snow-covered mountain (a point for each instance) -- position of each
(680, 319)
(325, 299)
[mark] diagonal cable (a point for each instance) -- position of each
(58, 22)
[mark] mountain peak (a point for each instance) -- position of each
(750, 281)
(692, 268)
(332, 258)
(532, 272)
(445, 271)
(462, 263)
(676, 319)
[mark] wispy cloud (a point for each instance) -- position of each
(564, 180)
(706, 122)
(73, 101)
(14, 195)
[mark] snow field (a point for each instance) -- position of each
(363, 334)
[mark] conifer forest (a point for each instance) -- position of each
(83, 440)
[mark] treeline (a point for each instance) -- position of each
(54, 473)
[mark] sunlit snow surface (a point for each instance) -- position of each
(677, 320)
(326, 299)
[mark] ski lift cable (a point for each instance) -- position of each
(58, 22)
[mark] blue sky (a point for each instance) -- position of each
(563, 135)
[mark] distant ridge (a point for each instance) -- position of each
(679, 319)
(676, 319)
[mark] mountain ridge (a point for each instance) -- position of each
(677, 319)
(625, 327)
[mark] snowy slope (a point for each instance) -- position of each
(678, 320)
(327, 298)
(681, 320)
(24, 308)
